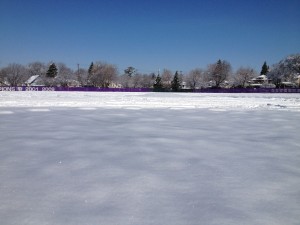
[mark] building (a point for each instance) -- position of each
(261, 81)
(34, 80)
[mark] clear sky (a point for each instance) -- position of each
(148, 35)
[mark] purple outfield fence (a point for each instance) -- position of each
(248, 90)
(206, 90)
(87, 89)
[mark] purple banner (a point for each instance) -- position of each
(206, 90)
(92, 89)
(248, 90)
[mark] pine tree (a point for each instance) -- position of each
(158, 84)
(52, 71)
(90, 74)
(90, 71)
(130, 71)
(264, 69)
(176, 86)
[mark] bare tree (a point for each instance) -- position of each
(65, 75)
(137, 80)
(82, 77)
(2, 77)
(286, 70)
(131, 78)
(194, 78)
(37, 68)
(131, 81)
(219, 72)
(166, 78)
(124, 80)
(148, 80)
(103, 74)
(243, 75)
(15, 74)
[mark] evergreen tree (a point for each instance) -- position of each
(158, 84)
(264, 69)
(90, 74)
(130, 71)
(52, 71)
(176, 86)
(90, 70)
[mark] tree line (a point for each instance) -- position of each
(100, 74)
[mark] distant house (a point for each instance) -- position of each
(184, 85)
(72, 83)
(287, 84)
(115, 85)
(261, 81)
(34, 80)
(4, 82)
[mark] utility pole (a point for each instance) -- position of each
(78, 69)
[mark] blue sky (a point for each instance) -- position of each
(148, 35)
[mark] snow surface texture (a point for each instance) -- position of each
(150, 100)
(149, 158)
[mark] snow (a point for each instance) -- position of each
(290, 102)
(149, 158)
(32, 79)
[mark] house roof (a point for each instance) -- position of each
(32, 79)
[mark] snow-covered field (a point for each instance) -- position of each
(290, 102)
(149, 158)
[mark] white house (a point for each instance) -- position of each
(33, 81)
(261, 81)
